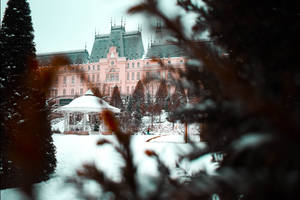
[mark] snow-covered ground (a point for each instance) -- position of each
(74, 150)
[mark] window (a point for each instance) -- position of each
(93, 67)
(55, 92)
(107, 77)
(132, 76)
(132, 89)
(81, 91)
(112, 63)
(133, 65)
(127, 89)
(64, 91)
(98, 67)
(147, 74)
(65, 69)
(169, 62)
(127, 65)
(72, 92)
(117, 77)
(88, 78)
(181, 61)
(81, 79)
(93, 78)
(158, 74)
(127, 76)
(138, 64)
(89, 68)
(73, 79)
(112, 77)
(97, 77)
(65, 80)
(56, 80)
(169, 75)
(138, 76)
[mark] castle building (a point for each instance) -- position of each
(116, 59)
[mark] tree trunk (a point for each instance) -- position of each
(185, 132)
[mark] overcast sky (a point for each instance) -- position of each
(61, 25)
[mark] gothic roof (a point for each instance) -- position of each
(165, 51)
(129, 44)
(75, 57)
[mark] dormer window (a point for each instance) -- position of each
(112, 55)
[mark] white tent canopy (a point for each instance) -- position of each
(88, 103)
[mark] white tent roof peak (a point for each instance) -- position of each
(88, 103)
(89, 93)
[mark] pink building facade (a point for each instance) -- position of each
(112, 70)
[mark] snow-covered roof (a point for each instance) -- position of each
(88, 103)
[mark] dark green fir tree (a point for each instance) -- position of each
(28, 152)
(115, 99)
(161, 98)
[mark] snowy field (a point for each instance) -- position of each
(73, 151)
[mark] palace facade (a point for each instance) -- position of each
(116, 59)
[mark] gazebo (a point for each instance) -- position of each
(81, 116)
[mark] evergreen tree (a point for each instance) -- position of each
(161, 98)
(138, 98)
(178, 98)
(136, 104)
(28, 153)
(115, 99)
(177, 101)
